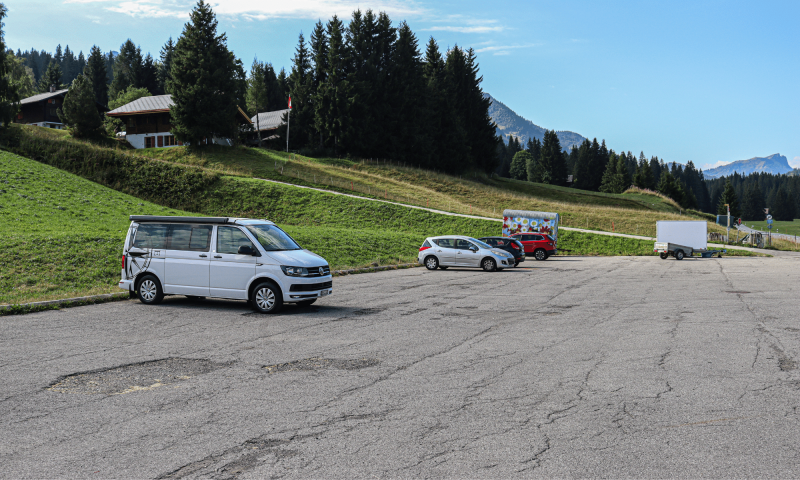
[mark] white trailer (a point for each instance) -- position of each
(683, 238)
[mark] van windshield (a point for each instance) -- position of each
(272, 238)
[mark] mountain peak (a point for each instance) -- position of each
(775, 164)
(510, 123)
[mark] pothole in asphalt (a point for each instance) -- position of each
(310, 364)
(134, 377)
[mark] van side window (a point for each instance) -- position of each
(229, 239)
(195, 238)
(151, 235)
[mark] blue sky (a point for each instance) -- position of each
(711, 81)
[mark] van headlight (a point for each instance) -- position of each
(295, 271)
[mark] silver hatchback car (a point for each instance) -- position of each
(460, 251)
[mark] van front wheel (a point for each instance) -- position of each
(267, 298)
(149, 290)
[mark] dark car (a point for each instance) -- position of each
(510, 245)
(537, 244)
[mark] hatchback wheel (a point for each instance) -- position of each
(149, 290)
(540, 254)
(489, 265)
(431, 263)
(267, 298)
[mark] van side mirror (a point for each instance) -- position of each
(247, 250)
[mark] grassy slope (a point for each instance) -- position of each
(789, 228)
(61, 235)
(630, 213)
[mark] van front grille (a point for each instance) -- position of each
(310, 287)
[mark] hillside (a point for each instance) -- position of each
(775, 164)
(61, 235)
(509, 123)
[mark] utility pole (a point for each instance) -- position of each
(728, 233)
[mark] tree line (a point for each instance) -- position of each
(748, 196)
(365, 89)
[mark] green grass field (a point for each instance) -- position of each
(61, 235)
(789, 228)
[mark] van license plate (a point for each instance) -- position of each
(323, 293)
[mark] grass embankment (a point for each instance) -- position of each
(787, 228)
(61, 235)
(633, 212)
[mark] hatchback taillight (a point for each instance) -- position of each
(123, 262)
(423, 248)
(516, 247)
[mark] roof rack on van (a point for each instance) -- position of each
(154, 218)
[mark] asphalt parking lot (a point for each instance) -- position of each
(573, 367)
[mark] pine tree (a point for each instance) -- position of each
(608, 185)
(532, 167)
(753, 205)
(728, 197)
(300, 90)
(79, 111)
(96, 71)
(9, 93)
(581, 170)
(257, 94)
(518, 170)
(165, 66)
(52, 77)
(783, 208)
(127, 69)
(319, 57)
(408, 139)
(553, 166)
(332, 103)
(207, 82)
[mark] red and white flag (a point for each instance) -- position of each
(290, 103)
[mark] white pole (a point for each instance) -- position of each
(288, 124)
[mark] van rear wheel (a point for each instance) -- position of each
(149, 290)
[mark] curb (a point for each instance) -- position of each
(109, 297)
(35, 306)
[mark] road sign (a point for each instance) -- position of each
(769, 217)
(769, 221)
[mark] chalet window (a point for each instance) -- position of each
(160, 141)
(149, 142)
(169, 141)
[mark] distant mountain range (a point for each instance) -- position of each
(509, 123)
(775, 164)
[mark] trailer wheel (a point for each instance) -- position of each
(663, 255)
(679, 254)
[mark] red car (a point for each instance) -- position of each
(538, 245)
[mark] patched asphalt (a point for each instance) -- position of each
(572, 367)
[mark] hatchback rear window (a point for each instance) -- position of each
(427, 244)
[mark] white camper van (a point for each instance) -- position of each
(237, 258)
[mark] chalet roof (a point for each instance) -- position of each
(158, 103)
(154, 104)
(268, 120)
(43, 96)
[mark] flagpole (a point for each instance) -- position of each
(288, 124)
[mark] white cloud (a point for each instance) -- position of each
(504, 49)
(720, 163)
(795, 162)
(259, 9)
(464, 29)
